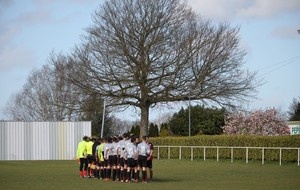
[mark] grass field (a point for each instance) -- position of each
(168, 175)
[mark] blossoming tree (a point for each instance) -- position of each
(264, 123)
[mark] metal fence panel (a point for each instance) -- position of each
(41, 140)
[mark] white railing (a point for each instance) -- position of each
(231, 152)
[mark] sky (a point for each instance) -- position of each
(31, 29)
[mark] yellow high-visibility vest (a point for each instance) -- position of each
(81, 149)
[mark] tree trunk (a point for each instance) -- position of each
(144, 120)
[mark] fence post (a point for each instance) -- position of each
(204, 154)
(180, 153)
(192, 153)
(158, 152)
(231, 155)
(262, 156)
(217, 154)
(168, 152)
(280, 154)
(247, 155)
(298, 156)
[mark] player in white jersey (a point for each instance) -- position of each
(108, 159)
(114, 156)
(131, 156)
(149, 159)
(143, 152)
(122, 144)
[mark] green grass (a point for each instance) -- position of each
(169, 175)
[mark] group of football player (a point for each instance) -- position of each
(118, 158)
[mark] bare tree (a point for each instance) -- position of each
(44, 97)
(143, 52)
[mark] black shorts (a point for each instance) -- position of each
(101, 163)
(149, 163)
(90, 158)
(125, 162)
(131, 162)
(106, 162)
(118, 160)
(142, 161)
(112, 160)
(122, 162)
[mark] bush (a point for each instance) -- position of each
(229, 141)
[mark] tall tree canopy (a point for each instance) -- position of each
(143, 52)
(294, 110)
(207, 121)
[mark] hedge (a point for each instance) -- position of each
(230, 141)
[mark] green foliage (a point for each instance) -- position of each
(208, 121)
(92, 110)
(164, 130)
(294, 112)
(153, 130)
(135, 130)
(230, 141)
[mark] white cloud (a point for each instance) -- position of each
(5, 3)
(35, 17)
(269, 8)
(245, 9)
(14, 54)
(217, 9)
(46, 2)
(289, 31)
(16, 57)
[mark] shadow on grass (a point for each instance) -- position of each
(165, 180)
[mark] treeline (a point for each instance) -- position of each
(206, 121)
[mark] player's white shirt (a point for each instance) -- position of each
(122, 144)
(114, 148)
(130, 150)
(143, 149)
(106, 149)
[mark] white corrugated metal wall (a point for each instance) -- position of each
(41, 140)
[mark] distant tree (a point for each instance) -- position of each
(48, 96)
(45, 97)
(208, 121)
(135, 130)
(263, 123)
(91, 109)
(144, 52)
(119, 126)
(153, 130)
(294, 110)
(164, 130)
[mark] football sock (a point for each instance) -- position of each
(118, 173)
(121, 175)
(144, 175)
(114, 174)
(129, 175)
(88, 171)
(102, 173)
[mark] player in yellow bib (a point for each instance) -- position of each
(89, 151)
(81, 155)
(100, 158)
